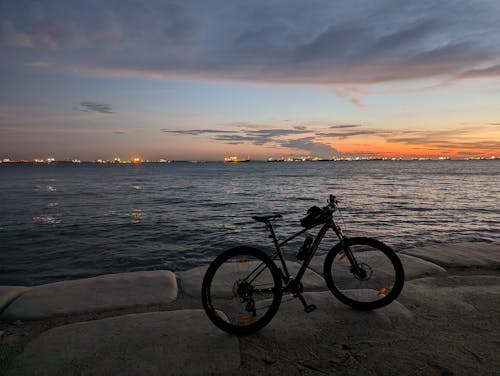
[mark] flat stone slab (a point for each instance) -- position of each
(95, 294)
(460, 255)
(191, 280)
(314, 342)
(329, 308)
(455, 295)
(9, 293)
(417, 268)
(414, 267)
(181, 342)
(452, 328)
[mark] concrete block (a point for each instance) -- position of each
(191, 280)
(460, 255)
(102, 293)
(413, 266)
(9, 293)
(159, 343)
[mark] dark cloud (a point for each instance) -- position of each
(276, 132)
(307, 140)
(240, 139)
(344, 135)
(95, 107)
(260, 137)
(342, 126)
(330, 43)
(410, 34)
(467, 153)
(271, 137)
(311, 146)
(460, 138)
(491, 71)
(196, 132)
(256, 137)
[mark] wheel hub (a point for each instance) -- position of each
(244, 290)
(365, 272)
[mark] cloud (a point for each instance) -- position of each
(343, 126)
(95, 107)
(321, 141)
(277, 137)
(344, 135)
(491, 71)
(264, 136)
(237, 138)
(276, 132)
(309, 144)
(249, 135)
(459, 138)
(197, 132)
(331, 44)
(12, 38)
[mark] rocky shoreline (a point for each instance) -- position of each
(446, 321)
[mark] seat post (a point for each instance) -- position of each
(269, 227)
(285, 272)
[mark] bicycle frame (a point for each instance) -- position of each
(249, 301)
(287, 278)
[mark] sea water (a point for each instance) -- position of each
(66, 221)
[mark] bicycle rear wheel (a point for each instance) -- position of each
(377, 280)
(241, 291)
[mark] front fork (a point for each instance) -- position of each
(355, 268)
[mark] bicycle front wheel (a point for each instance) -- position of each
(241, 291)
(364, 273)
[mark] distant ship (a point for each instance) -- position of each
(235, 160)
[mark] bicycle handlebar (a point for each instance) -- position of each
(332, 204)
(332, 201)
(316, 215)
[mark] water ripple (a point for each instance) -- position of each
(88, 220)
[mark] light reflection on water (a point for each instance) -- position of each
(98, 219)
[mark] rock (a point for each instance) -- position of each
(159, 343)
(95, 294)
(460, 255)
(455, 295)
(417, 268)
(9, 293)
(320, 341)
(413, 266)
(191, 280)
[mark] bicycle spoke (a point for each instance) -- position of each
(367, 275)
(242, 290)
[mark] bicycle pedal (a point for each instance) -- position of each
(309, 308)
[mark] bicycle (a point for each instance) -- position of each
(243, 287)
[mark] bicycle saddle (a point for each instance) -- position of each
(266, 218)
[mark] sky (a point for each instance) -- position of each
(201, 80)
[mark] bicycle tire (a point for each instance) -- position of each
(230, 312)
(384, 274)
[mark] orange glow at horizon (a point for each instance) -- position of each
(382, 148)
